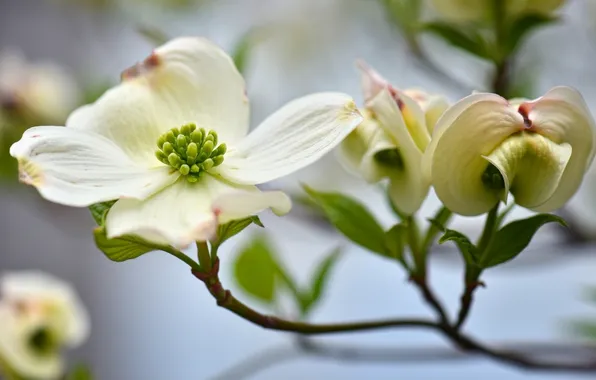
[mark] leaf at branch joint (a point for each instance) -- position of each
(99, 211)
(351, 218)
(521, 27)
(255, 269)
(513, 238)
(230, 229)
(466, 39)
(319, 281)
(395, 241)
(122, 248)
(465, 246)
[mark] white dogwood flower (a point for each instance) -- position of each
(485, 147)
(40, 91)
(391, 140)
(39, 316)
(170, 143)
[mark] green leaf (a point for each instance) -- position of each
(405, 14)
(80, 372)
(465, 246)
(512, 239)
(99, 211)
(255, 270)
(521, 27)
(395, 241)
(319, 281)
(153, 34)
(244, 47)
(466, 39)
(122, 248)
(351, 218)
(230, 229)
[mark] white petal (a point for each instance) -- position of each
(563, 116)
(448, 118)
(371, 168)
(242, 203)
(531, 166)
(297, 135)
(185, 212)
(370, 80)
(352, 150)
(472, 128)
(408, 187)
(79, 168)
(187, 80)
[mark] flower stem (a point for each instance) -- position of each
(181, 256)
(204, 256)
(226, 300)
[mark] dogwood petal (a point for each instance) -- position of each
(472, 128)
(79, 168)
(408, 187)
(297, 135)
(372, 167)
(563, 116)
(351, 151)
(187, 80)
(245, 202)
(187, 212)
(531, 166)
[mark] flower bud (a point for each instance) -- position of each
(390, 142)
(485, 147)
(39, 317)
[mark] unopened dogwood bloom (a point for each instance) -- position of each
(482, 10)
(485, 147)
(39, 316)
(170, 143)
(392, 139)
(35, 92)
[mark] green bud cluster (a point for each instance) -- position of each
(492, 178)
(190, 150)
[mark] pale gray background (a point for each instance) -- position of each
(152, 320)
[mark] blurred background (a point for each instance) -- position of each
(150, 318)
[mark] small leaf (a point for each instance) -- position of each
(153, 34)
(512, 239)
(99, 211)
(230, 229)
(351, 218)
(465, 246)
(244, 47)
(395, 241)
(122, 248)
(466, 39)
(520, 28)
(80, 372)
(255, 270)
(320, 280)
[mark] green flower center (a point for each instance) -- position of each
(42, 341)
(190, 150)
(492, 178)
(390, 158)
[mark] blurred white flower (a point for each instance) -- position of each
(40, 315)
(43, 92)
(157, 143)
(481, 10)
(392, 139)
(485, 147)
